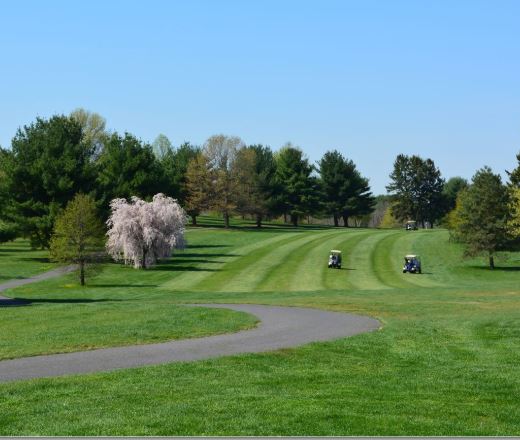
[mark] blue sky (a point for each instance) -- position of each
(369, 78)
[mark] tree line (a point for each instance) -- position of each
(51, 160)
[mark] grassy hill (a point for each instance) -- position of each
(446, 362)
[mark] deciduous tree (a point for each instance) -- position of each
(142, 232)
(79, 235)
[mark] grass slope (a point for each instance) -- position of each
(446, 361)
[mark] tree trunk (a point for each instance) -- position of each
(82, 273)
(294, 220)
(194, 220)
(285, 217)
(491, 262)
(258, 220)
(226, 219)
(144, 258)
(345, 221)
(336, 220)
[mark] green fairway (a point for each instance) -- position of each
(446, 362)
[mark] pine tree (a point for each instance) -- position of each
(482, 216)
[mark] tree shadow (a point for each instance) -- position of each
(21, 302)
(498, 268)
(208, 246)
(123, 285)
(37, 259)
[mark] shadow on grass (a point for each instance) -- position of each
(133, 286)
(498, 268)
(37, 259)
(20, 302)
(168, 267)
(201, 255)
(206, 246)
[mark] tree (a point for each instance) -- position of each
(294, 182)
(221, 152)
(79, 235)
(198, 186)
(93, 127)
(161, 146)
(416, 187)
(142, 232)
(48, 164)
(346, 193)
(255, 169)
(451, 190)
(514, 209)
(175, 166)
(514, 176)
(126, 168)
(482, 216)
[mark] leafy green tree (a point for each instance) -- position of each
(93, 128)
(127, 167)
(416, 186)
(482, 216)
(79, 235)
(221, 152)
(49, 163)
(255, 169)
(175, 165)
(161, 146)
(294, 182)
(199, 188)
(451, 190)
(346, 193)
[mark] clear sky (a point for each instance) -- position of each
(369, 78)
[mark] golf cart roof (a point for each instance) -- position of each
(411, 221)
(335, 251)
(411, 256)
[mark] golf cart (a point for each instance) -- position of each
(412, 264)
(335, 259)
(411, 225)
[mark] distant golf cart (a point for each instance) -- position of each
(335, 259)
(412, 264)
(411, 225)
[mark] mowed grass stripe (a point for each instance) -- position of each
(312, 270)
(364, 276)
(341, 279)
(286, 276)
(189, 279)
(415, 242)
(277, 268)
(387, 262)
(237, 275)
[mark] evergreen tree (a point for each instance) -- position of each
(346, 192)
(79, 235)
(175, 166)
(127, 168)
(416, 186)
(49, 163)
(294, 182)
(514, 176)
(482, 216)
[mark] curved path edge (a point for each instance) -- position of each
(279, 327)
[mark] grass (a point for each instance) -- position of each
(18, 261)
(447, 361)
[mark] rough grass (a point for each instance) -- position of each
(447, 361)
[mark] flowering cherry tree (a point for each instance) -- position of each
(141, 232)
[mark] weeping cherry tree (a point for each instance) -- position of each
(140, 232)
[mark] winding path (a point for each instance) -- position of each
(280, 327)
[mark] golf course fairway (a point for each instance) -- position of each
(445, 362)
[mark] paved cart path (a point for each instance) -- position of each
(4, 301)
(280, 327)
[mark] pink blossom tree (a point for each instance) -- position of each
(141, 232)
